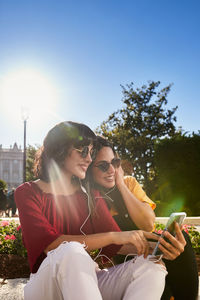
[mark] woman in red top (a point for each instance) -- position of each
(59, 229)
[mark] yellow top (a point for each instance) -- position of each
(137, 190)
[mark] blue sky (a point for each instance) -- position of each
(84, 50)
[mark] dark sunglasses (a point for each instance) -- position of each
(84, 152)
(104, 165)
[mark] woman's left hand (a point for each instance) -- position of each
(172, 250)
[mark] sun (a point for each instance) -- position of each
(28, 93)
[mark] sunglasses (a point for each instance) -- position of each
(84, 152)
(104, 165)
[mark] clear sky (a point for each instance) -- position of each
(65, 60)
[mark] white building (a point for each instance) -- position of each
(11, 166)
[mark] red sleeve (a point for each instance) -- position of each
(36, 230)
(104, 222)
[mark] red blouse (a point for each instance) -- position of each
(44, 218)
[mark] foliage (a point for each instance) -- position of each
(195, 237)
(135, 128)
(3, 184)
(30, 157)
(11, 239)
(177, 163)
(190, 230)
(159, 227)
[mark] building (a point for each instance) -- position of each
(11, 166)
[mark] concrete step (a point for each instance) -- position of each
(12, 289)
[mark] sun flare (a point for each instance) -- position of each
(28, 92)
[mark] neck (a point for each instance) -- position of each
(64, 185)
(101, 188)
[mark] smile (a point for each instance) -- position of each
(109, 178)
(84, 167)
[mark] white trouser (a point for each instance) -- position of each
(69, 273)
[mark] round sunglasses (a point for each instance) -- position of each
(104, 165)
(85, 150)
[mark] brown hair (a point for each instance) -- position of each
(57, 143)
(88, 182)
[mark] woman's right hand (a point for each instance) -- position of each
(137, 238)
(119, 177)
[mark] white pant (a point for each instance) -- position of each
(69, 273)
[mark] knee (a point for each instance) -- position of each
(73, 248)
(157, 272)
(70, 252)
(152, 270)
(74, 257)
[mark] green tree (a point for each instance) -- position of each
(177, 162)
(3, 184)
(30, 157)
(135, 128)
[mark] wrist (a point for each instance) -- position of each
(113, 237)
(121, 185)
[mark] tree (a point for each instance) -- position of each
(177, 162)
(135, 128)
(30, 154)
(3, 184)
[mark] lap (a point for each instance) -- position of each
(113, 282)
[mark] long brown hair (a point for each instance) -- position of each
(57, 144)
(88, 182)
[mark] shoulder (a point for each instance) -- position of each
(26, 190)
(27, 186)
(134, 186)
(130, 182)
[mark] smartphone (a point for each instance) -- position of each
(174, 217)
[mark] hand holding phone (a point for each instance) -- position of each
(174, 217)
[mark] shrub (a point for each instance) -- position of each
(194, 236)
(190, 230)
(11, 239)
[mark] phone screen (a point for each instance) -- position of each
(171, 223)
(174, 217)
(171, 228)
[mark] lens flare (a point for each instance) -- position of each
(55, 175)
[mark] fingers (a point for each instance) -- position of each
(150, 235)
(146, 253)
(119, 174)
(141, 243)
(136, 238)
(152, 245)
(173, 249)
(178, 241)
(121, 171)
(145, 244)
(179, 234)
(169, 253)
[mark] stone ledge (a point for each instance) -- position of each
(188, 220)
